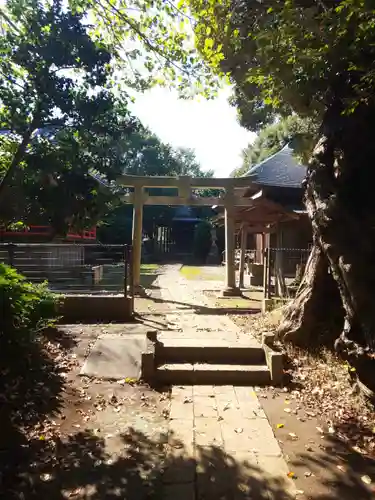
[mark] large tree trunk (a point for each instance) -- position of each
(339, 200)
(307, 321)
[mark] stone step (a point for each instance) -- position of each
(209, 374)
(214, 352)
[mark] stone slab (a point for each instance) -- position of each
(115, 358)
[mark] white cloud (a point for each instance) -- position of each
(209, 127)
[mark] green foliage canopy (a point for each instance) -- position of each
(145, 154)
(153, 41)
(62, 117)
(296, 55)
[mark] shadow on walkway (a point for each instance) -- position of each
(78, 467)
(204, 310)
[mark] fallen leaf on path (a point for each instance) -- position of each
(366, 479)
(239, 430)
(46, 477)
(279, 426)
(187, 400)
(291, 475)
(357, 449)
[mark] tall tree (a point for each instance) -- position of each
(318, 60)
(146, 154)
(292, 129)
(60, 116)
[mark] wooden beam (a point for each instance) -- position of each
(260, 230)
(195, 182)
(257, 228)
(177, 200)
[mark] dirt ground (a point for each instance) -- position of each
(324, 464)
(105, 441)
(326, 429)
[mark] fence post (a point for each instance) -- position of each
(131, 276)
(265, 276)
(269, 272)
(11, 249)
(126, 269)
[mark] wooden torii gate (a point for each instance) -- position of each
(185, 184)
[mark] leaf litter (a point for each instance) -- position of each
(77, 405)
(322, 387)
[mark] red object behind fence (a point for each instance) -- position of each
(45, 230)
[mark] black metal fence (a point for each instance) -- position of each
(73, 268)
(284, 268)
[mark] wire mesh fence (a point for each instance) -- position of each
(73, 268)
(284, 268)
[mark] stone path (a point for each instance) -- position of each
(221, 445)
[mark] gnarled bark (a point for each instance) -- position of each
(307, 321)
(339, 200)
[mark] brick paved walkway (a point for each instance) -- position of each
(221, 445)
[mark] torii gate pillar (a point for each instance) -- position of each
(230, 290)
(137, 238)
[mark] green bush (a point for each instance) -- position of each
(202, 240)
(25, 308)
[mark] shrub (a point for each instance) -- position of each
(25, 308)
(202, 240)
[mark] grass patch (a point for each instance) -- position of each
(190, 272)
(149, 268)
(199, 273)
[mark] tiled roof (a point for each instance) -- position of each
(279, 170)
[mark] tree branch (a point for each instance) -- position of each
(19, 155)
(145, 40)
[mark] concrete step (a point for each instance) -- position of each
(227, 353)
(209, 374)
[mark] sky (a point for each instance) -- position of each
(210, 128)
